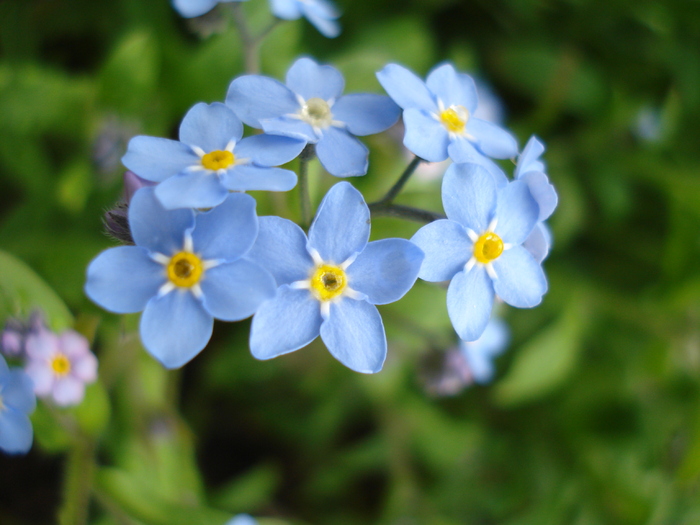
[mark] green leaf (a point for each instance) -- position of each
(93, 412)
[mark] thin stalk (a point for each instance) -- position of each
(77, 485)
(251, 47)
(396, 188)
(304, 199)
(382, 209)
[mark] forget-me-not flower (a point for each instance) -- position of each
(330, 282)
(480, 354)
(311, 107)
(192, 8)
(242, 519)
(211, 159)
(439, 116)
(184, 271)
(479, 247)
(321, 13)
(17, 401)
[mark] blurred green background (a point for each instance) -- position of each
(594, 416)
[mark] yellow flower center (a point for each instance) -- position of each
(185, 269)
(488, 247)
(60, 365)
(328, 282)
(455, 119)
(218, 160)
(317, 112)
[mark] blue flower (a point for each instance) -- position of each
(211, 159)
(242, 519)
(17, 401)
(439, 116)
(184, 271)
(480, 354)
(321, 13)
(310, 107)
(478, 247)
(192, 8)
(530, 169)
(330, 283)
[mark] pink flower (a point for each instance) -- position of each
(60, 365)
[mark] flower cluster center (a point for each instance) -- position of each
(317, 112)
(60, 364)
(488, 247)
(455, 119)
(185, 269)
(218, 160)
(328, 282)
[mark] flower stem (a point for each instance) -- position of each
(396, 188)
(385, 209)
(251, 45)
(77, 485)
(304, 200)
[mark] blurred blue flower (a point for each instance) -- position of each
(17, 401)
(480, 354)
(242, 519)
(211, 159)
(439, 116)
(330, 283)
(310, 107)
(478, 247)
(184, 271)
(192, 8)
(321, 13)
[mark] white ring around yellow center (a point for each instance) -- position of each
(328, 282)
(316, 112)
(488, 247)
(455, 119)
(218, 160)
(185, 269)
(60, 365)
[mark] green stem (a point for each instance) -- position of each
(304, 200)
(396, 188)
(77, 485)
(383, 209)
(251, 47)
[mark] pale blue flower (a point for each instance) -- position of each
(192, 8)
(17, 401)
(242, 519)
(480, 354)
(439, 116)
(479, 247)
(330, 282)
(211, 159)
(184, 271)
(311, 107)
(321, 13)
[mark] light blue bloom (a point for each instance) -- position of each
(330, 282)
(184, 271)
(530, 169)
(311, 107)
(211, 159)
(242, 519)
(321, 13)
(17, 401)
(479, 247)
(192, 8)
(481, 353)
(439, 116)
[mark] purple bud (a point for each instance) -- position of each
(12, 342)
(133, 183)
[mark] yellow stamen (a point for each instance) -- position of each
(455, 119)
(488, 247)
(317, 112)
(185, 269)
(328, 282)
(60, 365)
(218, 160)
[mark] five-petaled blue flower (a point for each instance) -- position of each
(330, 283)
(211, 159)
(480, 354)
(192, 8)
(478, 247)
(17, 401)
(321, 13)
(439, 116)
(310, 107)
(184, 271)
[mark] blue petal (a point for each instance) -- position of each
(454, 89)
(123, 279)
(425, 136)
(285, 9)
(311, 80)
(538, 242)
(254, 97)
(323, 8)
(290, 127)
(354, 335)
(154, 227)
(18, 392)
(16, 432)
(199, 189)
(249, 178)
(447, 249)
(461, 151)
(366, 113)
(529, 159)
(175, 328)
(521, 281)
(268, 150)
(469, 302)
(342, 154)
(516, 212)
(407, 90)
(4, 369)
(492, 140)
(289, 321)
(469, 196)
(192, 8)
(281, 249)
(317, 15)
(480, 353)
(543, 192)
(341, 227)
(210, 126)
(156, 159)
(385, 270)
(228, 231)
(234, 291)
